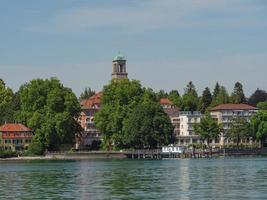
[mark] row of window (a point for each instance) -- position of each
(17, 141)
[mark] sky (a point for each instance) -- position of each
(167, 43)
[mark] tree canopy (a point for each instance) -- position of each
(238, 95)
(6, 103)
(87, 93)
(51, 110)
(131, 116)
(259, 124)
(257, 97)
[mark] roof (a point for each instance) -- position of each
(172, 112)
(14, 128)
(93, 100)
(166, 101)
(119, 56)
(232, 106)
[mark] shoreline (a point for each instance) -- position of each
(111, 155)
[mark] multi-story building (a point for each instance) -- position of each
(225, 113)
(186, 134)
(15, 136)
(90, 134)
(173, 112)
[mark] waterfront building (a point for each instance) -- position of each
(15, 136)
(186, 134)
(225, 113)
(173, 112)
(90, 136)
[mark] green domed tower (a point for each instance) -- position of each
(119, 67)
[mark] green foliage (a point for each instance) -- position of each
(205, 100)
(87, 93)
(262, 105)
(221, 97)
(216, 90)
(6, 103)
(208, 128)
(259, 125)
(238, 95)
(7, 154)
(257, 97)
(190, 97)
(239, 129)
(51, 111)
(127, 112)
(147, 126)
(174, 96)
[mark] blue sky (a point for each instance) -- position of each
(167, 43)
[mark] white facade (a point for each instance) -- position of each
(186, 133)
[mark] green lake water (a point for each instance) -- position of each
(228, 178)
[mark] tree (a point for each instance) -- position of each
(238, 95)
(262, 105)
(131, 117)
(190, 97)
(147, 126)
(162, 94)
(51, 110)
(221, 98)
(87, 93)
(119, 98)
(259, 125)
(216, 90)
(205, 100)
(208, 129)
(239, 129)
(257, 96)
(174, 96)
(6, 103)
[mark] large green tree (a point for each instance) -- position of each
(262, 105)
(208, 129)
(257, 97)
(119, 98)
(51, 110)
(205, 100)
(131, 117)
(238, 95)
(239, 129)
(147, 125)
(190, 97)
(221, 97)
(259, 125)
(6, 103)
(174, 96)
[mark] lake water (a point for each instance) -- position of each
(228, 178)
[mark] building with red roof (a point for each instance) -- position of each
(15, 136)
(90, 134)
(225, 113)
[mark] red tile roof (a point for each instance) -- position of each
(93, 100)
(14, 128)
(172, 112)
(164, 101)
(231, 106)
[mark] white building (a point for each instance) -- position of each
(186, 134)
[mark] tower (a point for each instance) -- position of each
(119, 67)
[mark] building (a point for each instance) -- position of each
(119, 68)
(90, 134)
(15, 136)
(173, 112)
(225, 113)
(187, 120)
(91, 137)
